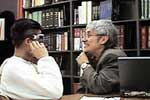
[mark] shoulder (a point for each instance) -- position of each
(13, 63)
(111, 54)
(117, 52)
(13, 60)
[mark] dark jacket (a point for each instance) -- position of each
(104, 76)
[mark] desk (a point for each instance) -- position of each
(72, 97)
(79, 96)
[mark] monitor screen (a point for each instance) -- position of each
(134, 74)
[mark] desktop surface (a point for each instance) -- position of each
(79, 96)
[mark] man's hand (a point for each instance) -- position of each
(82, 58)
(38, 49)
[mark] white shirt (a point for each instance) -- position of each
(21, 79)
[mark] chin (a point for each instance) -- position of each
(85, 50)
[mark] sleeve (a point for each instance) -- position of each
(46, 84)
(105, 79)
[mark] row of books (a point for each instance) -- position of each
(145, 9)
(126, 36)
(56, 41)
(59, 41)
(83, 13)
(48, 18)
(120, 36)
(105, 9)
(145, 37)
(34, 3)
(77, 38)
(88, 10)
(63, 63)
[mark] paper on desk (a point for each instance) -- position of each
(99, 98)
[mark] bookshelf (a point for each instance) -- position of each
(67, 16)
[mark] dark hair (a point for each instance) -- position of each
(19, 30)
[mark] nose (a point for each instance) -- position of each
(84, 39)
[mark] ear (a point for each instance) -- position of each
(27, 41)
(103, 39)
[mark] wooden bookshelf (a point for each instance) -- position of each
(125, 14)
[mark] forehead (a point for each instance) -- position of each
(90, 30)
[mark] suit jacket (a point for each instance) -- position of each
(103, 77)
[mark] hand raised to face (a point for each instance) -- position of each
(38, 49)
(82, 58)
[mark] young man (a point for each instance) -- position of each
(30, 73)
(98, 61)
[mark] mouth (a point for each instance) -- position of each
(85, 46)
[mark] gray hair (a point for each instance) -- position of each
(105, 27)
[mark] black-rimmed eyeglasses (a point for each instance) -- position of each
(85, 36)
(37, 37)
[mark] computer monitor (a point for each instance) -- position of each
(134, 75)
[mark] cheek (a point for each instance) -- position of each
(28, 53)
(91, 45)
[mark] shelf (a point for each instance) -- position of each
(74, 0)
(124, 21)
(55, 52)
(79, 26)
(76, 76)
(56, 28)
(46, 6)
(128, 50)
(77, 51)
(66, 76)
(115, 22)
(143, 20)
(148, 49)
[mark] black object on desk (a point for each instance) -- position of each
(134, 76)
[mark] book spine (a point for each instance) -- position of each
(143, 37)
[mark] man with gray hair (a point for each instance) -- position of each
(98, 61)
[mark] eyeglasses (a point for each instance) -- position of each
(85, 35)
(37, 37)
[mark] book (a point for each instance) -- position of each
(19, 9)
(48, 1)
(120, 36)
(55, 17)
(127, 10)
(88, 11)
(143, 37)
(142, 9)
(148, 41)
(76, 16)
(106, 9)
(77, 39)
(115, 9)
(2, 29)
(129, 37)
